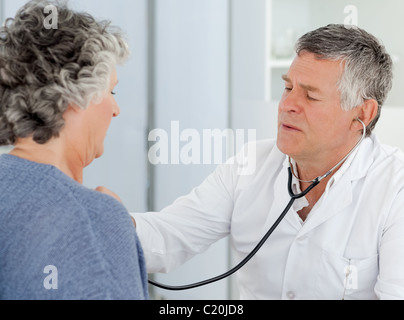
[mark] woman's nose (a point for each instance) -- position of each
(116, 111)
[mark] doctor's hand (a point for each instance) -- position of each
(114, 195)
(108, 192)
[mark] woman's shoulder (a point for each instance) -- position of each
(30, 187)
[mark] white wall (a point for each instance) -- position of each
(191, 87)
(249, 108)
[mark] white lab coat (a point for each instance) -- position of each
(351, 246)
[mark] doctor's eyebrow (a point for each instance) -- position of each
(304, 86)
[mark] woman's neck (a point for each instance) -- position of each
(52, 153)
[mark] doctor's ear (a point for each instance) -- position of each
(368, 111)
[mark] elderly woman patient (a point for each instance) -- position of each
(58, 239)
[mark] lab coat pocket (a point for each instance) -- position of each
(343, 278)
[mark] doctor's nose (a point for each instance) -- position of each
(291, 101)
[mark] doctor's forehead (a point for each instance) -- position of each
(312, 73)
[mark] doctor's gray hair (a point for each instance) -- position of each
(44, 70)
(368, 68)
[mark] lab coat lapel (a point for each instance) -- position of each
(332, 203)
(338, 197)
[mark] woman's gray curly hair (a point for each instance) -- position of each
(43, 71)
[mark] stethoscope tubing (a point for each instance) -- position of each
(253, 252)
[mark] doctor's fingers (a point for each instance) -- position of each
(108, 192)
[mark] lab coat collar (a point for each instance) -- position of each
(365, 154)
(338, 193)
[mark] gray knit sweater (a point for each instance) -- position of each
(62, 241)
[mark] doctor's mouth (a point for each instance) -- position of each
(288, 127)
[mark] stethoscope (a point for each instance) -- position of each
(293, 198)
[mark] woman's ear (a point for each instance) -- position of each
(73, 108)
(73, 116)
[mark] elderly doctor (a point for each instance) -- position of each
(345, 239)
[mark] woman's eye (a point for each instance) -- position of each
(113, 93)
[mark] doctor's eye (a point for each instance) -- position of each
(113, 93)
(311, 98)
